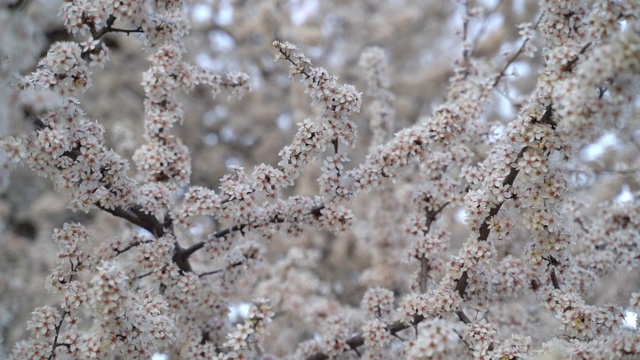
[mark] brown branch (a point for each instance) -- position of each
(222, 233)
(59, 326)
(463, 317)
(485, 231)
(150, 223)
(431, 216)
(358, 340)
(569, 66)
(210, 273)
(425, 266)
(515, 56)
(136, 216)
(97, 34)
(55, 344)
(287, 57)
(131, 246)
(181, 258)
(278, 219)
(126, 31)
(554, 279)
(144, 275)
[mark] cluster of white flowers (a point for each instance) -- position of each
(169, 287)
(165, 159)
(377, 302)
(109, 293)
(44, 322)
(480, 337)
(427, 245)
(66, 146)
(337, 103)
(334, 334)
(437, 339)
(254, 329)
(376, 336)
(157, 23)
(578, 319)
(126, 322)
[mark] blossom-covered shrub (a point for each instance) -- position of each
(415, 211)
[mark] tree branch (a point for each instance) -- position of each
(358, 340)
(137, 217)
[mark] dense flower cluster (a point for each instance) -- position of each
(66, 146)
(517, 282)
(437, 339)
(132, 322)
(254, 329)
(165, 157)
(338, 102)
(378, 302)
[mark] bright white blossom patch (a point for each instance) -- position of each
(347, 252)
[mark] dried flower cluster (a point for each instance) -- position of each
(457, 233)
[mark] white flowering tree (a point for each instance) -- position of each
(478, 212)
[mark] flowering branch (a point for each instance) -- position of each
(136, 216)
(527, 33)
(97, 34)
(179, 280)
(358, 340)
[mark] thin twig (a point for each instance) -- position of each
(515, 56)
(97, 34)
(358, 340)
(136, 216)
